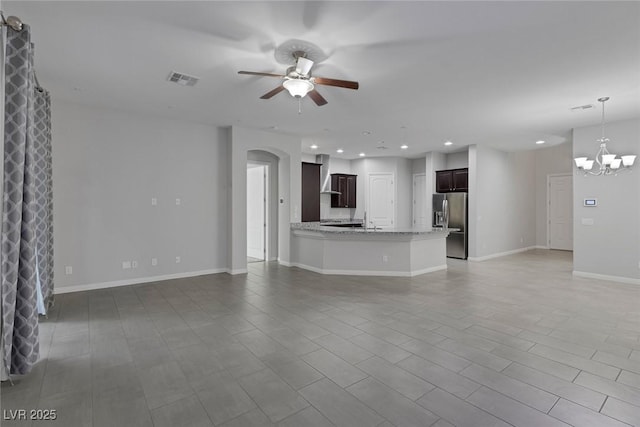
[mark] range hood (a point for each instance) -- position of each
(325, 177)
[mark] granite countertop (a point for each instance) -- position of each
(316, 226)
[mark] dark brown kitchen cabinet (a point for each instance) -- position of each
(452, 180)
(310, 192)
(345, 184)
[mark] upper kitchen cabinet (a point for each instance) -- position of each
(345, 184)
(452, 180)
(310, 192)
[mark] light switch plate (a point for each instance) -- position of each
(68, 270)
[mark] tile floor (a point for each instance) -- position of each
(511, 341)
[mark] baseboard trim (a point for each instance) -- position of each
(540, 247)
(285, 263)
(501, 254)
(136, 281)
(237, 271)
(369, 272)
(619, 279)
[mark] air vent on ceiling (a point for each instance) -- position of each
(582, 107)
(182, 79)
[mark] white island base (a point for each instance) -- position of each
(329, 250)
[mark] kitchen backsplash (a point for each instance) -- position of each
(326, 211)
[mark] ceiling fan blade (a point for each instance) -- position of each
(303, 66)
(273, 92)
(334, 82)
(317, 98)
(253, 73)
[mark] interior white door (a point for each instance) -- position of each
(560, 221)
(419, 200)
(381, 200)
(256, 218)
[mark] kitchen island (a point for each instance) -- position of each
(367, 251)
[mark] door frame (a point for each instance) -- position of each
(548, 210)
(265, 205)
(413, 213)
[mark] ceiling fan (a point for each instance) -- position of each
(299, 82)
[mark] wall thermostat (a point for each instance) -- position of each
(590, 202)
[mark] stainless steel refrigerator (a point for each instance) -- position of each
(450, 210)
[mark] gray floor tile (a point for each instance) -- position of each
(578, 362)
(163, 384)
(511, 411)
(296, 373)
(120, 407)
(187, 412)
(343, 348)
(380, 348)
(434, 354)
(622, 411)
(397, 378)
(629, 378)
(222, 397)
(577, 415)
(539, 363)
(334, 368)
(439, 376)
(609, 387)
(529, 395)
(384, 333)
(559, 344)
(621, 362)
(197, 361)
(474, 355)
(253, 418)
(393, 406)
(72, 409)
(573, 392)
(308, 417)
(340, 407)
(457, 411)
(502, 338)
(467, 339)
(274, 396)
(467, 313)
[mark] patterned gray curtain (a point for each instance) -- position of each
(44, 198)
(19, 264)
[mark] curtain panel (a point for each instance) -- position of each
(27, 244)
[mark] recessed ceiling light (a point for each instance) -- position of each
(404, 146)
(314, 147)
(340, 150)
(448, 143)
(366, 132)
(540, 142)
(361, 154)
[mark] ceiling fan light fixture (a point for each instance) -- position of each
(298, 88)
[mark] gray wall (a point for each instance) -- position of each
(549, 161)
(107, 166)
(501, 201)
(611, 246)
(457, 160)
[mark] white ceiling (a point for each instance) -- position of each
(498, 73)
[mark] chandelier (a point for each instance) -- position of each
(607, 163)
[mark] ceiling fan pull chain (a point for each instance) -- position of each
(299, 105)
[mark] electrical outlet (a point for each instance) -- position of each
(134, 264)
(68, 270)
(178, 260)
(126, 265)
(154, 201)
(154, 261)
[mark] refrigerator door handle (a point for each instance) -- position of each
(445, 213)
